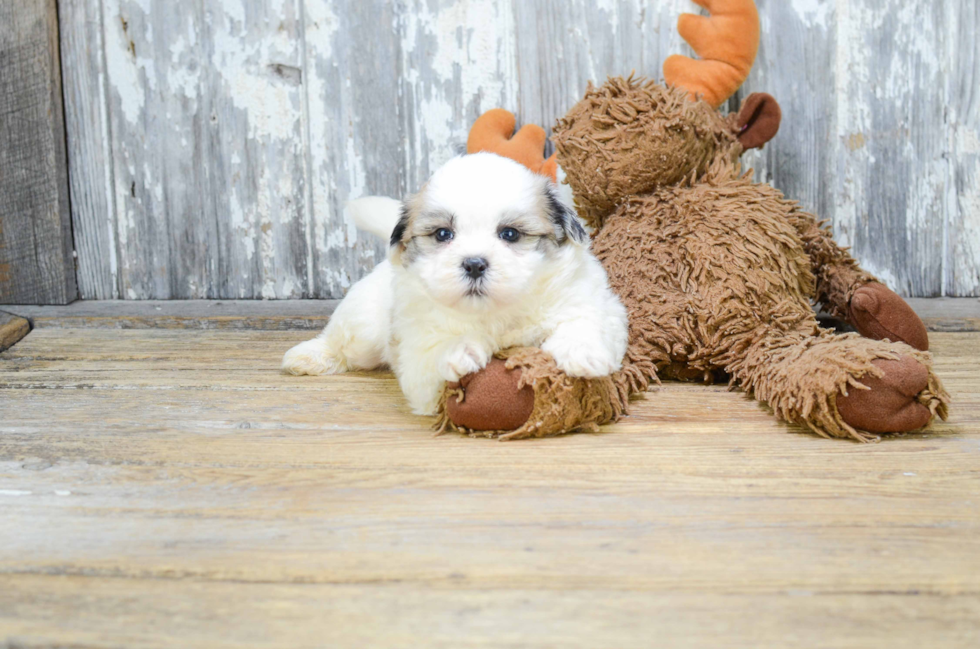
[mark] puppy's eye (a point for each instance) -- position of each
(443, 234)
(510, 235)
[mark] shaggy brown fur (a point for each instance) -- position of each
(718, 273)
(646, 136)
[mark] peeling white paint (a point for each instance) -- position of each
(271, 106)
(966, 246)
(234, 9)
(814, 13)
(968, 142)
(182, 76)
(123, 69)
(469, 49)
(241, 225)
(321, 30)
(853, 118)
(356, 183)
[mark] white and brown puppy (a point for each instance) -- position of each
(485, 257)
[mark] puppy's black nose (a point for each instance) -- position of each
(475, 267)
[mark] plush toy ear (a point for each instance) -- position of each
(758, 120)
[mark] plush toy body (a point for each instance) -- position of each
(718, 274)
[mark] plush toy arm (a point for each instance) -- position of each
(848, 292)
(493, 131)
(522, 393)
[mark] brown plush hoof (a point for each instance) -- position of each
(492, 400)
(879, 313)
(891, 404)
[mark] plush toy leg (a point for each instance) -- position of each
(848, 292)
(842, 385)
(522, 393)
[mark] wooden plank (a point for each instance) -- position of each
(888, 141)
(861, 144)
(962, 56)
(357, 140)
(36, 263)
(257, 149)
(89, 148)
(148, 476)
(459, 60)
(939, 314)
(948, 314)
(12, 330)
(184, 314)
(160, 157)
(206, 109)
(796, 64)
(105, 612)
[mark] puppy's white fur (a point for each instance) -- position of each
(419, 311)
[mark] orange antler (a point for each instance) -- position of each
(492, 132)
(726, 41)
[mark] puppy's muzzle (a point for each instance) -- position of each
(475, 267)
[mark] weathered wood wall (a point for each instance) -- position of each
(214, 143)
(36, 265)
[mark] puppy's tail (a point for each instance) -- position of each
(375, 214)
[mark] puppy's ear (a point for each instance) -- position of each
(400, 237)
(401, 226)
(567, 225)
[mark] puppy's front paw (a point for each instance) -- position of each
(311, 357)
(580, 358)
(465, 357)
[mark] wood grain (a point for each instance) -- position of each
(393, 615)
(36, 263)
(357, 140)
(160, 475)
(89, 151)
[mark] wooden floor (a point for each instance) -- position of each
(171, 488)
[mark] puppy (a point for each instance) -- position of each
(485, 257)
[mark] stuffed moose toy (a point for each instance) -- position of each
(718, 273)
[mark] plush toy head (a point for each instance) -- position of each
(628, 137)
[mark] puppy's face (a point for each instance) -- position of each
(481, 231)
